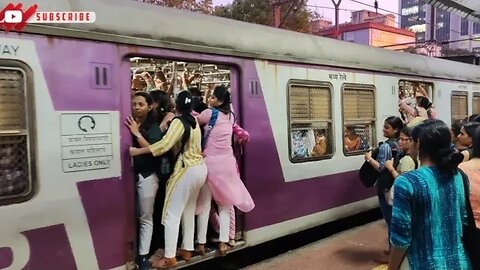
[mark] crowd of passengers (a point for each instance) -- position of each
(186, 167)
(428, 186)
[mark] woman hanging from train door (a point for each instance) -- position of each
(184, 185)
(144, 127)
(223, 180)
(163, 110)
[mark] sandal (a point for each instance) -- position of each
(164, 263)
(222, 248)
(185, 254)
(201, 249)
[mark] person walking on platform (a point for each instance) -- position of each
(429, 206)
(185, 182)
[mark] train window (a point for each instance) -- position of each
(310, 117)
(358, 118)
(476, 103)
(410, 88)
(16, 179)
(459, 106)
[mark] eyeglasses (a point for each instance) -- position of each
(404, 139)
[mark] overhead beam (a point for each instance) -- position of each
(456, 8)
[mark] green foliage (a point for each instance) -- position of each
(261, 12)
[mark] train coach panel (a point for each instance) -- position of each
(75, 163)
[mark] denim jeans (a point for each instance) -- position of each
(386, 212)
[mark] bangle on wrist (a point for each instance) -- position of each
(138, 135)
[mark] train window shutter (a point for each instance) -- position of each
(310, 121)
(358, 102)
(476, 103)
(459, 105)
(16, 157)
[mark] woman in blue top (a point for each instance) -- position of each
(429, 205)
(388, 150)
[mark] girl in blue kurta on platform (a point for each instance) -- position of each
(429, 206)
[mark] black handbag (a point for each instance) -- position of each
(471, 234)
(368, 175)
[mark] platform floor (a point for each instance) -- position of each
(357, 248)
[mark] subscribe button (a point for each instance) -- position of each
(13, 16)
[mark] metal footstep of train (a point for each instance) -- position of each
(211, 251)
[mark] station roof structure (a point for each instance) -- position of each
(468, 9)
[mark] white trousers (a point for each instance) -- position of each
(147, 189)
(183, 201)
(202, 219)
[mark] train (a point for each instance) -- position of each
(67, 197)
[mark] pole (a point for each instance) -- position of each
(276, 15)
(433, 23)
(337, 10)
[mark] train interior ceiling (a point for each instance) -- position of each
(203, 76)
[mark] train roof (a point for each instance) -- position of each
(136, 23)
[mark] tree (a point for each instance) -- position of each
(446, 51)
(295, 14)
(203, 6)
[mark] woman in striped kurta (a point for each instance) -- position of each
(184, 184)
(429, 206)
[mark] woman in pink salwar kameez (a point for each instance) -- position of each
(223, 180)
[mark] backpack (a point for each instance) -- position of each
(369, 175)
(167, 161)
(471, 234)
(470, 153)
(385, 180)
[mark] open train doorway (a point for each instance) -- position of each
(166, 78)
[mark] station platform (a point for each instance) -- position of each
(357, 248)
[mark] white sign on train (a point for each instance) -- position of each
(100, 150)
(86, 141)
(86, 164)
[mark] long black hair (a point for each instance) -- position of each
(223, 95)
(470, 128)
(150, 119)
(476, 144)
(434, 139)
(396, 123)
(198, 105)
(183, 105)
(424, 102)
(164, 104)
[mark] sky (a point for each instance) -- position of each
(325, 7)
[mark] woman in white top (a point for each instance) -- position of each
(406, 163)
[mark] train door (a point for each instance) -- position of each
(153, 75)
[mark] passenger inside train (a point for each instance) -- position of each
(160, 90)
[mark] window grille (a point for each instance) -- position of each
(15, 159)
(358, 118)
(459, 106)
(476, 103)
(310, 116)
